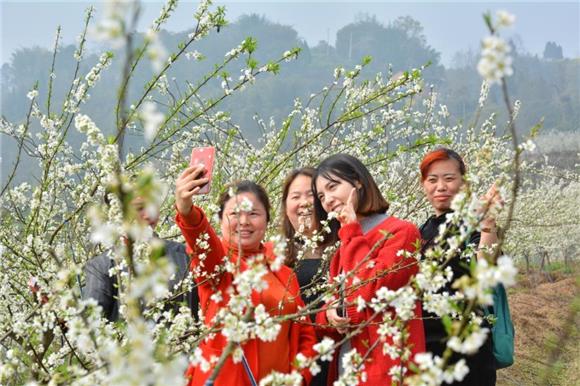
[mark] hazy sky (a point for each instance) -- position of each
(449, 26)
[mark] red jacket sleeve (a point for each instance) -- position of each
(203, 244)
(384, 268)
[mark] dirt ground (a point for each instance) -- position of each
(541, 311)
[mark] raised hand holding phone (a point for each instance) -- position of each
(188, 184)
(204, 156)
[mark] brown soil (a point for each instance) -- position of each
(540, 311)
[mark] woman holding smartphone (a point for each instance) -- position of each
(369, 260)
(244, 217)
(298, 227)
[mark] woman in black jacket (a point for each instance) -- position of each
(442, 177)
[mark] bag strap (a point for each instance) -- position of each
(248, 370)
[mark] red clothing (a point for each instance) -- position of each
(276, 303)
(354, 247)
(300, 337)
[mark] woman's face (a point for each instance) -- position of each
(244, 221)
(443, 182)
(333, 193)
(299, 205)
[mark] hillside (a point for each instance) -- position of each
(540, 310)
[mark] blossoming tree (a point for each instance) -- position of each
(52, 226)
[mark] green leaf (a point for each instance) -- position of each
(249, 45)
(252, 63)
(446, 320)
(535, 130)
(273, 67)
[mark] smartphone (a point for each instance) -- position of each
(205, 156)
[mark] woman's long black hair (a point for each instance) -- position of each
(350, 169)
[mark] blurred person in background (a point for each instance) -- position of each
(103, 287)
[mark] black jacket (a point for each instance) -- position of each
(102, 287)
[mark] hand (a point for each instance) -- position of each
(336, 321)
(347, 214)
(492, 201)
(187, 185)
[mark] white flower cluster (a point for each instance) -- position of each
(155, 50)
(134, 361)
(353, 369)
(112, 26)
(152, 119)
(251, 279)
(85, 125)
(402, 300)
(103, 232)
(266, 329)
(325, 348)
(432, 374)
(282, 379)
(280, 246)
(470, 344)
(430, 277)
(32, 94)
(495, 62)
(486, 277)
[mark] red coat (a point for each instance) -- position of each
(302, 336)
(353, 249)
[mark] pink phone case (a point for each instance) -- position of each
(205, 156)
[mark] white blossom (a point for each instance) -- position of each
(495, 62)
(152, 120)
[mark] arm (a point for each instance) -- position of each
(176, 253)
(324, 327)
(99, 285)
(205, 255)
(328, 322)
(488, 226)
(204, 261)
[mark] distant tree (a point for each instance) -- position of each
(323, 48)
(401, 43)
(553, 51)
(412, 28)
(465, 59)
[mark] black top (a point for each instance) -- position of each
(102, 287)
(311, 273)
(307, 272)
(430, 231)
(481, 364)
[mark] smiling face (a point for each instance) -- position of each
(245, 227)
(299, 205)
(333, 193)
(443, 181)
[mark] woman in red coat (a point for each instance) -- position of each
(244, 218)
(372, 264)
